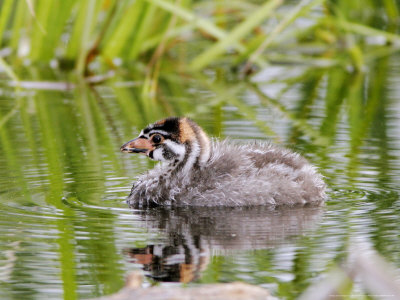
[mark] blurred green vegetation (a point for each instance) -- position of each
(93, 36)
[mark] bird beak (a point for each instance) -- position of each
(138, 145)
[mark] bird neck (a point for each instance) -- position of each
(197, 153)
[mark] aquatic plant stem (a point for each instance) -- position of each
(8, 70)
(85, 37)
(235, 35)
(94, 50)
(301, 8)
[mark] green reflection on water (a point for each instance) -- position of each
(65, 227)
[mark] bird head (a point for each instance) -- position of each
(172, 140)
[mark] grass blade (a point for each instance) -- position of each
(301, 8)
(85, 38)
(8, 70)
(18, 25)
(190, 17)
(122, 34)
(5, 15)
(367, 30)
(235, 35)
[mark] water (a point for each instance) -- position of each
(66, 231)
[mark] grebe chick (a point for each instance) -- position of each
(197, 171)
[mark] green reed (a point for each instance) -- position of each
(90, 35)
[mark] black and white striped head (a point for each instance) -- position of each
(172, 140)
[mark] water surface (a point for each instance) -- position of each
(66, 231)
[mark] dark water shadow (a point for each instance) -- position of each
(192, 235)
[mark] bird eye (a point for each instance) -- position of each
(157, 138)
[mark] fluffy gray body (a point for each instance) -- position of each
(233, 175)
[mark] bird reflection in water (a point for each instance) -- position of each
(192, 234)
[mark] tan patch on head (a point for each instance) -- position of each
(161, 122)
(186, 132)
